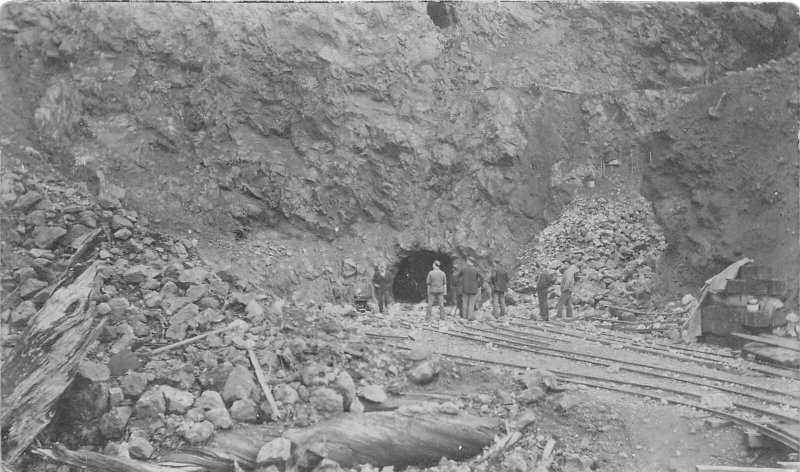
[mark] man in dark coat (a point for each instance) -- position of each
(499, 282)
(471, 281)
(455, 283)
(382, 283)
(544, 282)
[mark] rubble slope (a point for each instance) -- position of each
(726, 188)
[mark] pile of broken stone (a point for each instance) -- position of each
(155, 292)
(616, 243)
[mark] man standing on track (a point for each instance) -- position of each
(471, 281)
(437, 290)
(567, 285)
(499, 282)
(382, 282)
(542, 285)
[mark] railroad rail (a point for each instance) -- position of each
(623, 364)
(765, 429)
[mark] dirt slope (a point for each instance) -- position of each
(726, 188)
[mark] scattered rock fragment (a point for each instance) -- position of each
(112, 424)
(239, 385)
(345, 385)
(423, 373)
(139, 273)
(151, 404)
(196, 432)
(244, 410)
(140, 448)
(30, 287)
(123, 234)
(28, 201)
(276, 452)
(285, 394)
(213, 408)
(23, 312)
(177, 401)
(327, 400)
(93, 371)
(373, 393)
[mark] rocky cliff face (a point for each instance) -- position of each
(384, 127)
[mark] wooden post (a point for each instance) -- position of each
(262, 380)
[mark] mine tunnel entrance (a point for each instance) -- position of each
(412, 272)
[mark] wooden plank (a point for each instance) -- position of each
(772, 341)
(789, 465)
(611, 309)
(777, 355)
(262, 380)
(44, 361)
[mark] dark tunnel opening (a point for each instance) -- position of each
(412, 272)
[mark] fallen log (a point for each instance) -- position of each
(379, 438)
(395, 439)
(44, 362)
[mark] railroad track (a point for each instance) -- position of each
(754, 365)
(717, 360)
(650, 391)
(483, 336)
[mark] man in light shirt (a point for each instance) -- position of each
(567, 286)
(437, 290)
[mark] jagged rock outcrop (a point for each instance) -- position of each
(368, 123)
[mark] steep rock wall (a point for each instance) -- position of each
(310, 119)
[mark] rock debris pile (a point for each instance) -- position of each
(616, 244)
(153, 291)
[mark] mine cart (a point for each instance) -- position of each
(750, 302)
(362, 293)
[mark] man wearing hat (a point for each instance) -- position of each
(437, 290)
(470, 281)
(543, 283)
(567, 286)
(499, 282)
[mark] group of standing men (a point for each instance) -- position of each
(467, 282)
(544, 282)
